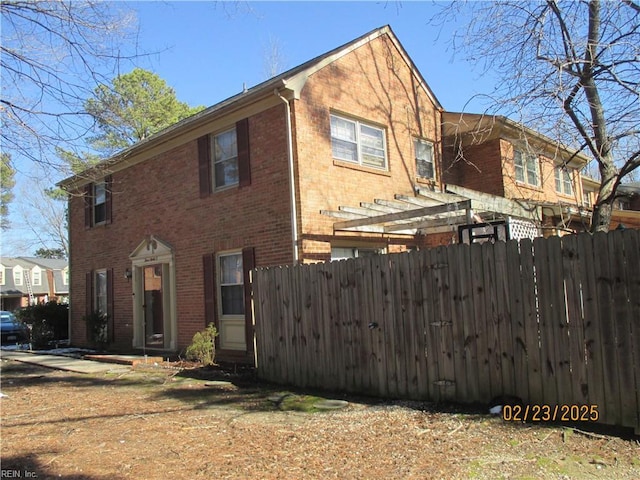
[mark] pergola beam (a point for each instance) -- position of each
(405, 215)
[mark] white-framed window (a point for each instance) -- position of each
(424, 158)
(231, 284)
(224, 149)
(1, 274)
(358, 142)
(99, 203)
(343, 253)
(17, 276)
(586, 199)
(65, 276)
(527, 168)
(100, 291)
(622, 204)
(564, 182)
(36, 278)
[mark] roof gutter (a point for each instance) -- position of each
(292, 185)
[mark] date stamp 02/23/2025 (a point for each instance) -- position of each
(550, 413)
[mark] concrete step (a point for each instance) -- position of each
(132, 360)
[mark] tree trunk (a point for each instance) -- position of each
(603, 208)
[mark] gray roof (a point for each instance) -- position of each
(28, 263)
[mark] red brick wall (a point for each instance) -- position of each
(161, 197)
(372, 84)
(478, 168)
(489, 168)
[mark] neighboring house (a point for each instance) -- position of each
(495, 155)
(163, 235)
(626, 207)
(29, 280)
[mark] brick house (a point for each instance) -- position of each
(495, 155)
(342, 156)
(163, 235)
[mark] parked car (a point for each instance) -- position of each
(12, 330)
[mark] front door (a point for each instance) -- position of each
(153, 306)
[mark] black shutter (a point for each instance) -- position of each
(204, 165)
(88, 206)
(208, 263)
(248, 264)
(244, 163)
(89, 301)
(110, 326)
(108, 184)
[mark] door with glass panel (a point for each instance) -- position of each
(153, 306)
(231, 301)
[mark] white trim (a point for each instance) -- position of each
(152, 251)
(232, 326)
(18, 274)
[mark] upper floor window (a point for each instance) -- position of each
(65, 276)
(17, 276)
(1, 275)
(622, 204)
(357, 142)
(97, 205)
(424, 158)
(225, 158)
(36, 279)
(586, 199)
(564, 183)
(527, 168)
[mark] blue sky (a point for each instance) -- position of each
(208, 50)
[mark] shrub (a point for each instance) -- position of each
(97, 329)
(49, 322)
(203, 348)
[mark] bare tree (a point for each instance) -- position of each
(569, 69)
(43, 214)
(273, 62)
(53, 53)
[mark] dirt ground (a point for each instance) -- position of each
(164, 424)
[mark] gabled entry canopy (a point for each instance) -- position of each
(155, 325)
(151, 247)
(429, 212)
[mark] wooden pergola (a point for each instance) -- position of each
(429, 212)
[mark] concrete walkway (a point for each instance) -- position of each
(61, 363)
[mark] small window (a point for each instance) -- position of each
(1, 275)
(424, 158)
(225, 158)
(586, 199)
(36, 278)
(99, 203)
(65, 276)
(564, 183)
(17, 276)
(527, 168)
(100, 292)
(343, 253)
(357, 142)
(231, 283)
(622, 204)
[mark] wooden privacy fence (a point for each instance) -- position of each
(555, 322)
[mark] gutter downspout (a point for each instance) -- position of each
(292, 186)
